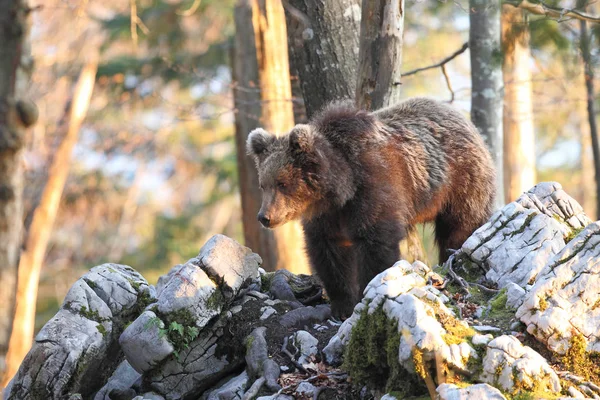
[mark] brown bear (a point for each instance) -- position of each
(360, 180)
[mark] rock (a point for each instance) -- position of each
(481, 339)
(122, 379)
(149, 396)
(574, 393)
(267, 312)
(520, 238)
(485, 328)
(333, 351)
(233, 388)
(145, 343)
(481, 391)
(229, 264)
(305, 316)
(276, 397)
(83, 335)
(511, 366)
(564, 302)
(305, 389)
(515, 295)
(199, 289)
(388, 397)
(306, 344)
(399, 307)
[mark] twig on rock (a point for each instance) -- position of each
(253, 391)
(454, 276)
(484, 288)
(285, 351)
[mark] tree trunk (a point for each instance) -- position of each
(380, 58)
(263, 98)
(324, 41)
(486, 77)
(519, 138)
(33, 255)
(589, 88)
(14, 27)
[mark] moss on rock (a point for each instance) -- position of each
(371, 356)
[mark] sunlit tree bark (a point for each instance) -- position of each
(14, 25)
(519, 137)
(584, 45)
(486, 77)
(263, 98)
(32, 257)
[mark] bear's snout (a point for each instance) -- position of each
(264, 220)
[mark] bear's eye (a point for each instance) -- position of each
(281, 185)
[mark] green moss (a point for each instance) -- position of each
(92, 315)
(216, 300)
(526, 223)
(371, 356)
(574, 232)
(91, 283)
(456, 331)
(543, 304)
(581, 362)
(265, 281)
(102, 329)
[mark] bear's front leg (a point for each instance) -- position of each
(334, 261)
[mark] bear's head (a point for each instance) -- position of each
(290, 172)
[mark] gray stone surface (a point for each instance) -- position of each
(520, 238)
(507, 363)
(515, 295)
(83, 335)
(481, 391)
(232, 389)
(143, 343)
(406, 299)
(204, 285)
(565, 299)
(306, 344)
(123, 378)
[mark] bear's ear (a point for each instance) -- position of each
(258, 143)
(302, 139)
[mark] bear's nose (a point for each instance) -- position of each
(263, 219)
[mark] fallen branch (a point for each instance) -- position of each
(253, 391)
(559, 13)
(446, 60)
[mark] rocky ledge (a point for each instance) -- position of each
(514, 314)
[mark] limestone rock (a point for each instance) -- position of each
(145, 343)
(203, 286)
(83, 335)
(565, 299)
(123, 378)
(233, 388)
(306, 344)
(515, 295)
(511, 366)
(481, 391)
(520, 238)
(402, 298)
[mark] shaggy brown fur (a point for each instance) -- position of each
(360, 180)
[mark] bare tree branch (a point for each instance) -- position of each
(191, 10)
(559, 13)
(448, 83)
(441, 63)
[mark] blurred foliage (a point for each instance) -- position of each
(154, 173)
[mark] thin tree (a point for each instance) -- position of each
(15, 115)
(588, 74)
(519, 137)
(486, 77)
(34, 252)
(263, 98)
